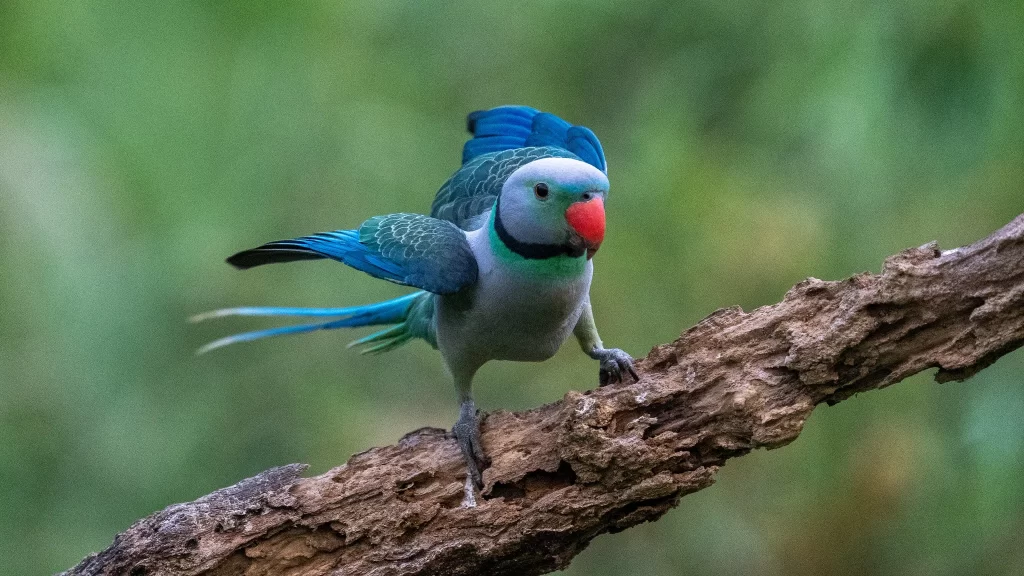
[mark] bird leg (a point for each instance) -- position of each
(467, 433)
(614, 362)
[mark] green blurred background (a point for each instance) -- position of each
(751, 145)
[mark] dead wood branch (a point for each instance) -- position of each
(606, 459)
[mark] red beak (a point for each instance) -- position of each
(587, 219)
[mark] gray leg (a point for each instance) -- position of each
(614, 363)
(467, 433)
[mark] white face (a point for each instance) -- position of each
(535, 198)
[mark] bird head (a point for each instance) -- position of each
(555, 203)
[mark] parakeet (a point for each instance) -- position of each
(503, 262)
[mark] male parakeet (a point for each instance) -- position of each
(503, 262)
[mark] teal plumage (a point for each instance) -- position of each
(472, 190)
(417, 322)
(409, 249)
(503, 261)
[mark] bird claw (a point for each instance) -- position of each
(614, 362)
(467, 434)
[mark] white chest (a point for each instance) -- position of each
(514, 313)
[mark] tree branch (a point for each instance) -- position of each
(606, 459)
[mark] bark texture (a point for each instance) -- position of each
(606, 459)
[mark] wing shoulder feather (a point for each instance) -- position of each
(472, 190)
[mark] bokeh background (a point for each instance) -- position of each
(750, 145)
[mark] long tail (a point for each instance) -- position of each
(411, 313)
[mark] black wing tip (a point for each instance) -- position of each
(242, 260)
(269, 255)
(471, 119)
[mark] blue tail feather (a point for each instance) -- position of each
(395, 311)
(388, 311)
(279, 331)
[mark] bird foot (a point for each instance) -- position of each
(467, 433)
(614, 363)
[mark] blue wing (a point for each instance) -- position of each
(511, 127)
(409, 249)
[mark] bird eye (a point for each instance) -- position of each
(541, 190)
(587, 196)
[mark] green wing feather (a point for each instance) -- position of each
(472, 190)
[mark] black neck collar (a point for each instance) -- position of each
(530, 250)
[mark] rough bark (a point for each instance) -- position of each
(606, 459)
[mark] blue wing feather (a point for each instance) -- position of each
(409, 249)
(548, 130)
(502, 125)
(511, 127)
(582, 142)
